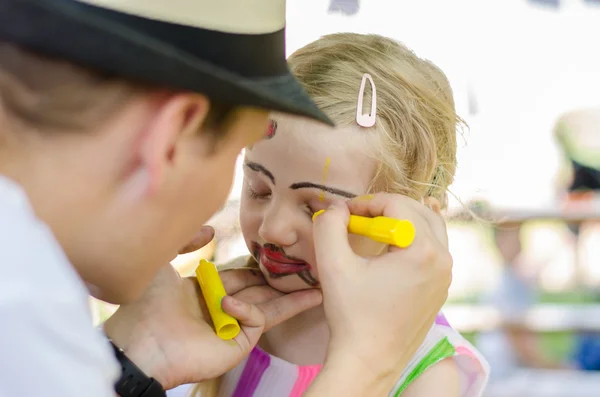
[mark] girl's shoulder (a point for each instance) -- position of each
(444, 342)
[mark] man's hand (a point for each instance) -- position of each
(379, 309)
(168, 332)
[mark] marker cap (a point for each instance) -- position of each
(213, 291)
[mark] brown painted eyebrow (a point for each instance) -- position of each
(310, 185)
(259, 168)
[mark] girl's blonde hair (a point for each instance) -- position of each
(416, 121)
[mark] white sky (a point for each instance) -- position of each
(526, 65)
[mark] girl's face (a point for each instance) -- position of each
(299, 169)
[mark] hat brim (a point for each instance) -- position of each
(125, 45)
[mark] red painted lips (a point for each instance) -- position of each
(278, 264)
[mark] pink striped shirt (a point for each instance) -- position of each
(264, 375)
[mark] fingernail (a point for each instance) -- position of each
(317, 214)
(364, 197)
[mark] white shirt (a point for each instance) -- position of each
(48, 345)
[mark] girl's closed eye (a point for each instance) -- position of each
(256, 193)
(312, 207)
(310, 210)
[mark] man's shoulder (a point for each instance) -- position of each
(47, 326)
(37, 278)
(31, 259)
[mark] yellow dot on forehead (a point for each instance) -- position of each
(325, 172)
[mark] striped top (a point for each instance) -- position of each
(264, 375)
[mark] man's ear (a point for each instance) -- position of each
(180, 115)
(433, 203)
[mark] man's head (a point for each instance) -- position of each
(124, 174)
(125, 170)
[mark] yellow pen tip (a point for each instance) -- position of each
(317, 214)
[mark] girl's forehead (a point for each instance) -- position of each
(298, 150)
(311, 137)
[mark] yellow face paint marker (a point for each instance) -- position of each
(398, 232)
(325, 173)
(213, 291)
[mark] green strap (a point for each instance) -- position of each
(443, 349)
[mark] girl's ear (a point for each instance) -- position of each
(433, 204)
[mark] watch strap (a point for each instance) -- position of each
(133, 381)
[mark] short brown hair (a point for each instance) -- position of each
(56, 95)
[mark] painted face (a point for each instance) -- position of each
(299, 169)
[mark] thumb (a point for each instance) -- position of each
(330, 235)
(204, 236)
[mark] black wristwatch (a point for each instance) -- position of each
(133, 381)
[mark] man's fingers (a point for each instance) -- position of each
(278, 306)
(248, 315)
(287, 306)
(428, 254)
(240, 281)
(258, 294)
(204, 236)
(330, 233)
(384, 204)
(236, 280)
(400, 207)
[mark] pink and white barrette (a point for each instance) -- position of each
(366, 120)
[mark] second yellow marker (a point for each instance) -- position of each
(398, 232)
(213, 291)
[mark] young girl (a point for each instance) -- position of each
(396, 133)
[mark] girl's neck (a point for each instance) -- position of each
(302, 340)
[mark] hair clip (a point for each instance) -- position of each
(366, 120)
